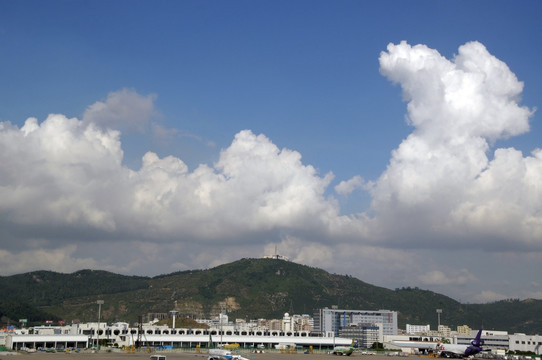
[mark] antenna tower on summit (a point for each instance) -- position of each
(276, 256)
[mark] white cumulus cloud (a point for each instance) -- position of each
(348, 186)
(64, 188)
(124, 110)
(442, 185)
(68, 174)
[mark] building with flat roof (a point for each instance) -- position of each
(444, 330)
(365, 334)
(417, 329)
(332, 320)
(120, 334)
(527, 343)
(55, 341)
(493, 340)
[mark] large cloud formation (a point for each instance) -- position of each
(67, 195)
(440, 182)
(66, 173)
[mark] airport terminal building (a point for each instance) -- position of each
(121, 335)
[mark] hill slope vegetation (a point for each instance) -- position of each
(247, 289)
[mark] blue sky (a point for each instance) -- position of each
(184, 79)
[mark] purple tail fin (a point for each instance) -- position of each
(477, 340)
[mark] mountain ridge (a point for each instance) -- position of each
(246, 288)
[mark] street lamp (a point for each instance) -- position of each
(173, 314)
(100, 303)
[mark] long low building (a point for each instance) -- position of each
(17, 342)
(183, 339)
(523, 342)
(190, 341)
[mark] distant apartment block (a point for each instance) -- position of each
(463, 330)
(275, 324)
(417, 329)
(302, 322)
(365, 334)
(333, 320)
(444, 330)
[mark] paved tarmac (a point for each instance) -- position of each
(104, 355)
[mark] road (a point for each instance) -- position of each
(103, 355)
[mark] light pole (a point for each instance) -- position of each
(100, 303)
(173, 314)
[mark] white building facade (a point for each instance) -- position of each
(417, 329)
(332, 320)
(121, 335)
(527, 343)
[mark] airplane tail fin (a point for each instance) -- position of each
(477, 340)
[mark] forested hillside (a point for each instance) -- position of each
(247, 289)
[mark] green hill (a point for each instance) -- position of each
(248, 289)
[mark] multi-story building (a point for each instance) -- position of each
(444, 330)
(302, 322)
(332, 320)
(493, 340)
(464, 330)
(417, 329)
(365, 334)
(274, 324)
